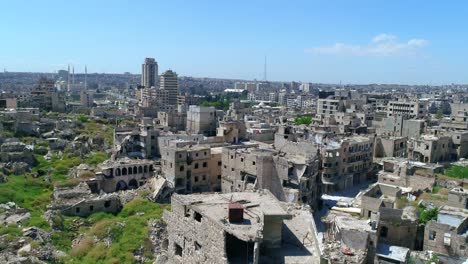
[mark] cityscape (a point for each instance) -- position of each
(163, 164)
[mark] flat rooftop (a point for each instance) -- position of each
(257, 205)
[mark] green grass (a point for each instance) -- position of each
(427, 215)
(458, 172)
(96, 158)
(129, 232)
(304, 120)
(30, 193)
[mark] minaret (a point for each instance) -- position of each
(85, 78)
(68, 79)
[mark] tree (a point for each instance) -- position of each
(440, 113)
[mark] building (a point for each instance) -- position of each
(449, 233)
(458, 197)
(121, 174)
(192, 168)
(346, 162)
(149, 73)
(169, 89)
(46, 97)
(86, 99)
(410, 108)
(249, 227)
(289, 177)
(202, 120)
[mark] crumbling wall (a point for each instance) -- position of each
(189, 234)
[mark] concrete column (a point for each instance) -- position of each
(256, 252)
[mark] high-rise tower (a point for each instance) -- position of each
(170, 84)
(149, 73)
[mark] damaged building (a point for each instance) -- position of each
(291, 178)
(122, 174)
(247, 227)
(80, 201)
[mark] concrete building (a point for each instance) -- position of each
(86, 99)
(433, 149)
(192, 168)
(448, 234)
(409, 108)
(346, 162)
(406, 173)
(329, 106)
(291, 178)
(46, 97)
(249, 227)
(458, 197)
(202, 120)
(378, 196)
(168, 89)
(149, 73)
(388, 146)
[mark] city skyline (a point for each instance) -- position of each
(316, 41)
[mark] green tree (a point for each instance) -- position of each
(440, 113)
(303, 120)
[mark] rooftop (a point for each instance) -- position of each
(257, 205)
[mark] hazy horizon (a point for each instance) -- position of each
(357, 42)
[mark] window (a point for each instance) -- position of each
(196, 178)
(196, 154)
(204, 153)
(197, 216)
(107, 204)
(432, 235)
(242, 159)
(219, 163)
(205, 164)
(219, 177)
(77, 210)
(181, 168)
(383, 231)
(253, 162)
(91, 208)
(197, 246)
(204, 177)
(196, 166)
(177, 250)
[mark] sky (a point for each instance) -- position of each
(329, 41)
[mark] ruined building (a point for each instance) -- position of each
(291, 178)
(248, 227)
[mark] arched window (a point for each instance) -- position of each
(151, 168)
(117, 172)
(124, 171)
(130, 171)
(140, 169)
(146, 169)
(135, 170)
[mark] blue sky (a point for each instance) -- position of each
(399, 41)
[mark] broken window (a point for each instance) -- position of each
(181, 168)
(77, 209)
(384, 231)
(197, 216)
(177, 250)
(107, 203)
(91, 208)
(219, 163)
(197, 246)
(432, 235)
(196, 165)
(205, 164)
